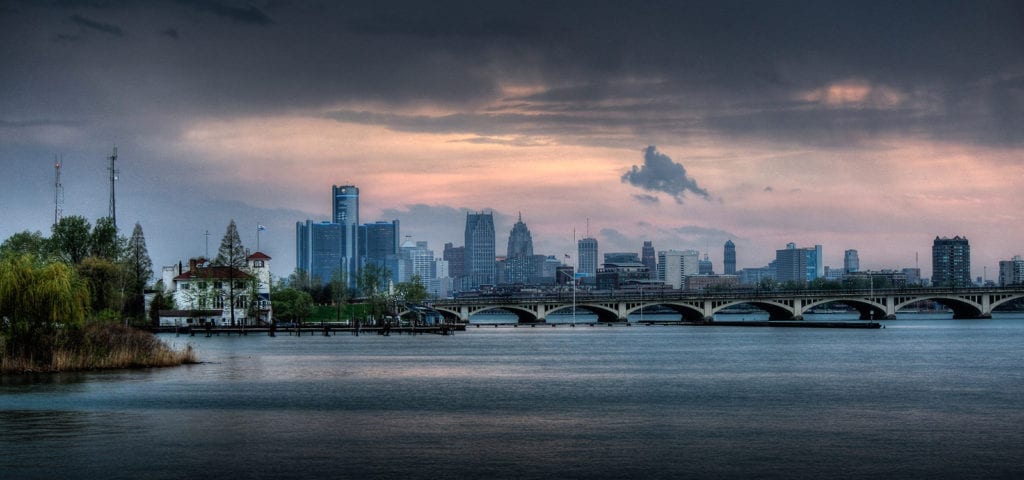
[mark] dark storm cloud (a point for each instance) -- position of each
(660, 174)
(170, 32)
(248, 14)
(97, 26)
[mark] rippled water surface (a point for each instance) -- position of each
(918, 399)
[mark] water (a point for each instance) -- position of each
(918, 399)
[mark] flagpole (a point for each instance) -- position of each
(257, 237)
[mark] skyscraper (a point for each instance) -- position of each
(799, 265)
(851, 262)
(345, 200)
(675, 265)
(587, 257)
(649, 259)
(379, 242)
(951, 262)
(1011, 272)
(519, 261)
(480, 258)
(318, 250)
(729, 258)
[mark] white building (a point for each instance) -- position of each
(201, 292)
(675, 265)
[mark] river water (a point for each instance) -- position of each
(919, 399)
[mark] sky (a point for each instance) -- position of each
(864, 125)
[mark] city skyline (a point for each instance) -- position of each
(871, 126)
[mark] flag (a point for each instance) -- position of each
(260, 228)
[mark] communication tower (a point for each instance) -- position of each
(58, 190)
(113, 178)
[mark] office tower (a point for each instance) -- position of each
(318, 250)
(418, 260)
(799, 265)
(480, 258)
(456, 258)
(729, 258)
(704, 267)
(587, 257)
(675, 265)
(851, 262)
(621, 257)
(1011, 272)
(378, 241)
(951, 262)
(345, 201)
(649, 259)
(520, 266)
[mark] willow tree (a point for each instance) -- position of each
(37, 300)
(231, 255)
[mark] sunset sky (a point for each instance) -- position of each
(867, 125)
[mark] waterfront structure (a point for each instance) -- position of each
(319, 250)
(1011, 272)
(851, 262)
(800, 265)
(729, 258)
(479, 256)
(674, 265)
(587, 258)
(951, 262)
(345, 201)
(202, 293)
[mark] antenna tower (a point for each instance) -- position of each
(58, 190)
(113, 178)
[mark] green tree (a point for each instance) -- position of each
(161, 301)
(37, 300)
(231, 254)
(104, 279)
(26, 242)
(70, 239)
(412, 292)
(339, 292)
(104, 242)
(138, 270)
(371, 282)
(292, 304)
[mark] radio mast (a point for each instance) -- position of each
(113, 178)
(58, 190)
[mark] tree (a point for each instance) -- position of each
(161, 301)
(70, 239)
(411, 293)
(104, 242)
(104, 279)
(339, 291)
(291, 304)
(26, 242)
(371, 281)
(138, 269)
(231, 254)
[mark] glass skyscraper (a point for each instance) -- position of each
(318, 250)
(345, 200)
(587, 257)
(480, 253)
(729, 258)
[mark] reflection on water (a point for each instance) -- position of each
(920, 399)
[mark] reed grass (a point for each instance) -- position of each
(96, 347)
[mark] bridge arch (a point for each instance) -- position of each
(688, 313)
(775, 310)
(450, 316)
(868, 308)
(523, 315)
(603, 312)
(963, 306)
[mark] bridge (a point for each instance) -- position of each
(616, 306)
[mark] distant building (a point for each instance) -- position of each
(951, 262)
(913, 276)
(1011, 272)
(379, 242)
(613, 275)
(851, 262)
(621, 257)
(520, 265)
(704, 267)
(587, 258)
(456, 258)
(753, 275)
(319, 250)
(700, 283)
(674, 265)
(729, 258)
(345, 201)
(480, 253)
(649, 258)
(800, 265)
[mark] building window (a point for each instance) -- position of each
(257, 263)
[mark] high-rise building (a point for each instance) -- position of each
(851, 262)
(729, 258)
(649, 258)
(621, 257)
(675, 265)
(318, 250)
(799, 265)
(520, 266)
(480, 258)
(705, 267)
(1011, 272)
(587, 258)
(379, 242)
(345, 201)
(456, 258)
(418, 260)
(951, 262)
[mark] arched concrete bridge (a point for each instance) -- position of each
(701, 307)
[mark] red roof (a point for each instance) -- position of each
(213, 272)
(258, 256)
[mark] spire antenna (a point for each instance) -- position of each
(58, 190)
(113, 178)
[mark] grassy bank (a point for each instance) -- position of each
(91, 347)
